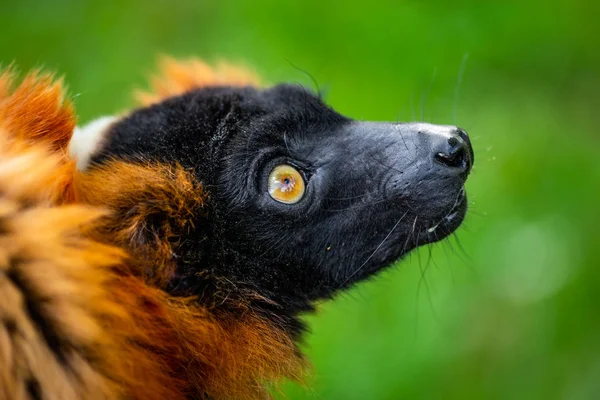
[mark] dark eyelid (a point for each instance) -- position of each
(306, 171)
(306, 175)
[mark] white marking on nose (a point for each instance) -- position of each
(446, 131)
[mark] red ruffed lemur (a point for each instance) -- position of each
(168, 253)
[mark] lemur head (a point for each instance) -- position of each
(300, 201)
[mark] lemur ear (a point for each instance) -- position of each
(176, 77)
(152, 207)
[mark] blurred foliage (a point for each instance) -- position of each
(508, 308)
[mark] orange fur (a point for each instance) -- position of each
(225, 357)
(138, 194)
(82, 318)
(47, 290)
(179, 76)
(36, 110)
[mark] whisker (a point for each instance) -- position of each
(402, 137)
(410, 234)
(385, 165)
(286, 144)
(432, 260)
(347, 198)
(477, 213)
(356, 207)
(412, 105)
(444, 244)
(424, 99)
(376, 249)
(460, 246)
(459, 79)
(310, 76)
(305, 98)
(275, 243)
(468, 261)
(423, 280)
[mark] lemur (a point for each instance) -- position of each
(169, 252)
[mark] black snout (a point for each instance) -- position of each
(454, 151)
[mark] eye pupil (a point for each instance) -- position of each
(286, 181)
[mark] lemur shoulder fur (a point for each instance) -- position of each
(168, 253)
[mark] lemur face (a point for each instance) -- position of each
(301, 200)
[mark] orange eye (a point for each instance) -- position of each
(286, 184)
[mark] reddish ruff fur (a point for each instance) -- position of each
(83, 315)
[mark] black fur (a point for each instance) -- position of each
(373, 190)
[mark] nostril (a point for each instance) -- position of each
(455, 158)
(456, 155)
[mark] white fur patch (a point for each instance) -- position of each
(446, 131)
(87, 140)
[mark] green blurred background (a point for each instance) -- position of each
(512, 316)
